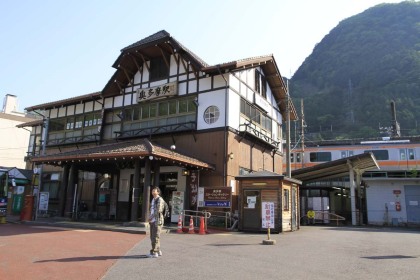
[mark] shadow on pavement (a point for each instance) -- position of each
(97, 258)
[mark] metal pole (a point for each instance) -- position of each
(302, 126)
(352, 196)
(44, 144)
(288, 171)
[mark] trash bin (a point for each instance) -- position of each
(26, 213)
(3, 215)
(3, 210)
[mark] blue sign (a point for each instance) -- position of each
(217, 203)
(3, 201)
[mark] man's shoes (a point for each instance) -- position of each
(153, 255)
(160, 253)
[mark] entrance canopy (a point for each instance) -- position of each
(337, 168)
(122, 152)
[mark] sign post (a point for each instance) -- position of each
(267, 216)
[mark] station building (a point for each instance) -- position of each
(165, 118)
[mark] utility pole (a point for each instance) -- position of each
(288, 171)
(302, 127)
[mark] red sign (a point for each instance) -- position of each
(397, 191)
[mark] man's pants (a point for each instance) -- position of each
(155, 237)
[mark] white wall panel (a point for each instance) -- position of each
(220, 82)
(62, 112)
(137, 77)
(53, 113)
(127, 99)
(182, 77)
(118, 101)
(97, 106)
(234, 109)
(216, 98)
(70, 110)
(108, 103)
(89, 106)
(182, 88)
(234, 82)
(192, 86)
(145, 73)
(205, 84)
(79, 108)
(173, 69)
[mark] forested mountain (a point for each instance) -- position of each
(353, 74)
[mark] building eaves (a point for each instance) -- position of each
(31, 123)
(66, 102)
(123, 150)
(11, 117)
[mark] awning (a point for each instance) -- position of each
(122, 152)
(336, 168)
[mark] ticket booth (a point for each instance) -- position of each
(268, 199)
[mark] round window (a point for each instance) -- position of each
(211, 115)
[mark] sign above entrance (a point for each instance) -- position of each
(214, 197)
(147, 94)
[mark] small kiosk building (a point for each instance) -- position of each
(268, 199)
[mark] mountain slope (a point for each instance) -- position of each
(349, 80)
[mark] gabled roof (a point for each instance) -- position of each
(155, 45)
(272, 75)
(122, 151)
(160, 43)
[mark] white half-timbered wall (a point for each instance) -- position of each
(209, 90)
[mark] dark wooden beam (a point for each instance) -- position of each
(126, 72)
(143, 59)
(164, 56)
(119, 85)
(133, 57)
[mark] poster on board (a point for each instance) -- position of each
(43, 201)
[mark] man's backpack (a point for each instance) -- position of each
(166, 210)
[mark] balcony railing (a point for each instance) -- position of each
(255, 131)
(73, 140)
(155, 130)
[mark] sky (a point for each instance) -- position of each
(54, 49)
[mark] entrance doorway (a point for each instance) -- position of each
(252, 210)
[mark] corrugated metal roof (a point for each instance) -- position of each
(337, 168)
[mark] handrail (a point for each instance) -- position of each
(204, 214)
(330, 216)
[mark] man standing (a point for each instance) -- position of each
(157, 208)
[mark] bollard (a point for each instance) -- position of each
(269, 241)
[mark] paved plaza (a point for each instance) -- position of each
(62, 251)
(310, 253)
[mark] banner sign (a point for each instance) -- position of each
(267, 214)
(193, 182)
